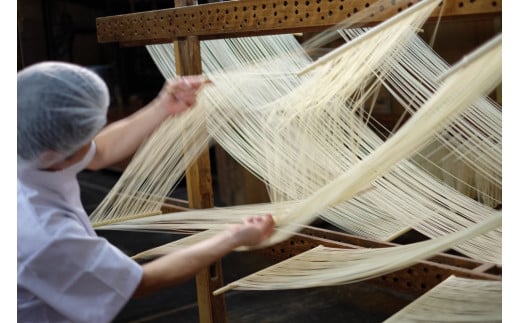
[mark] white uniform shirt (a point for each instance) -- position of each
(66, 273)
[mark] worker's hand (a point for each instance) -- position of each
(253, 230)
(180, 94)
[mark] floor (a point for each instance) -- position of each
(360, 302)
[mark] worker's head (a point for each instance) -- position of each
(61, 107)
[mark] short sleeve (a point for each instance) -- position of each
(83, 277)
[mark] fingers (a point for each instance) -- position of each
(196, 79)
(193, 82)
(264, 223)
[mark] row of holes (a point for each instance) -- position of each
(296, 3)
(409, 284)
(307, 15)
(385, 278)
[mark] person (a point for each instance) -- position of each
(65, 271)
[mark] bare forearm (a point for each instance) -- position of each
(182, 265)
(121, 139)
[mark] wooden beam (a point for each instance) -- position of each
(261, 17)
(413, 280)
(200, 191)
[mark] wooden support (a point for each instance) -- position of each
(200, 191)
(187, 25)
(414, 280)
(261, 17)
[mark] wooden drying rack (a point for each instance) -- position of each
(188, 23)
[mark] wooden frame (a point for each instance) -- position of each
(187, 24)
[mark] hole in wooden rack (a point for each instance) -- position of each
(461, 4)
(341, 7)
(367, 5)
(494, 3)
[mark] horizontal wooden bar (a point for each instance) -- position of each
(261, 17)
(414, 280)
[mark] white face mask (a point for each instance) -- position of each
(46, 159)
(80, 165)
(49, 158)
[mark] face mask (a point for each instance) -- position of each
(50, 158)
(80, 165)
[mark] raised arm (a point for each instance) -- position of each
(184, 264)
(119, 140)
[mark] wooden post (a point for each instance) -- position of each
(199, 187)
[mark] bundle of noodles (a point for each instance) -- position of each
(455, 300)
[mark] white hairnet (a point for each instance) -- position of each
(61, 106)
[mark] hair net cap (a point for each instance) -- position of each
(61, 107)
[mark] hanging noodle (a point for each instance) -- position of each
(455, 300)
(306, 137)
